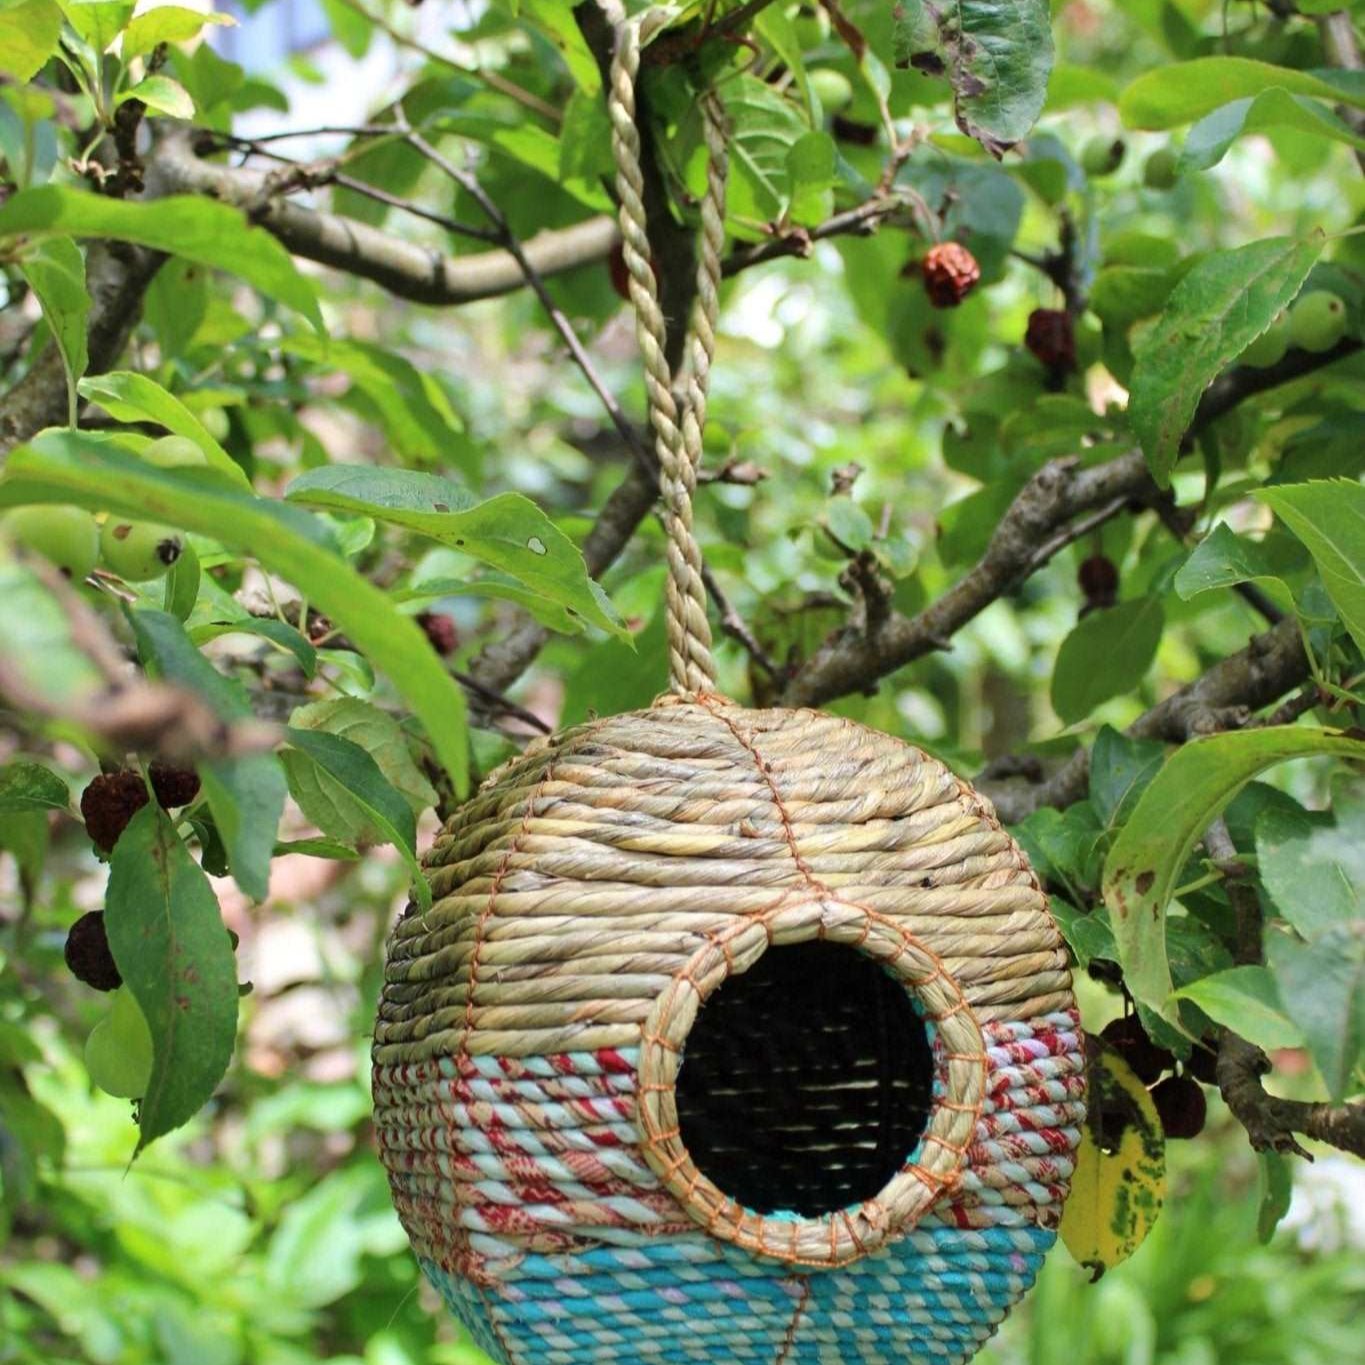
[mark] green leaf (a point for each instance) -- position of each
(182, 584)
(167, 24)
(1221, 559)
(246, 796)
(411, 405)
(1298, 858)
(764, 127)
(1120, 771)
(29, 30)
(31, 787)
(188, 226)
(997, 55)
(174, 955)
(357, 777)
(1208, 141)
(99, 22)
(1322, 984)
(1087, 935)
(55, 271)
(508, 531)
(616, 675)
(1106, 655)
(1328, 515)
(1191, 790)
(550, 614)
(35, 641)
(78, 467)
(131, 397)
(1212, 316)
(1277, 1191)
(161, 94)
(1245, 1000)
(849, 524)
(166, 652)
(277, 632)
(380, 735)
(1180, 92)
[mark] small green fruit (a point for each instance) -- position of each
(1317, 321)
(174, 452)
(810, 24)
(1268, 349)
(1102, 155)
(68, 536)
(216, 423)
(1158, 171)
(139, 551)
(118, 1053)
(833, 89)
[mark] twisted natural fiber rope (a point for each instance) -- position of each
(677, 428)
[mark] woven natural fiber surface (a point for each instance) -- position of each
(587, 901)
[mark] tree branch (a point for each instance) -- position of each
(1029, 533)
(852, 660)
(1223, 699)
(403, 268)
(1271, 1122)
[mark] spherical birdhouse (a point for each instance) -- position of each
(730, 1035)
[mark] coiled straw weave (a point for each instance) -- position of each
(859, 1150)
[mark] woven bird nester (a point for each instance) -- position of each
(730, 1035)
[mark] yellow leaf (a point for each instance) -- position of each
(1120, 1180)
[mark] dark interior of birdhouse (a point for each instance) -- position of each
(806, 1081)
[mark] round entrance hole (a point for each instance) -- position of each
(806, 1081)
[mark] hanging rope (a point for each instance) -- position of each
(678, 422)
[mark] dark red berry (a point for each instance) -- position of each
(1203, 1065)
(950, 273)
(1098, 580)
(1051, 338)
(616, 268)
(1129, 1039)
(851, 131)
(1181, 1106)
(108, 803)
(87, 953)
(440, 629)
(173, 786)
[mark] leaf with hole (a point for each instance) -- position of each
(507, 531)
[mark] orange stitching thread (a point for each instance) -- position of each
(789, 1341)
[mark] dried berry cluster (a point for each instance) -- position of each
(1179, 1100)
(950, 273)
(107, 805)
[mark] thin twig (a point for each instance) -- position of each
(492, 79)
